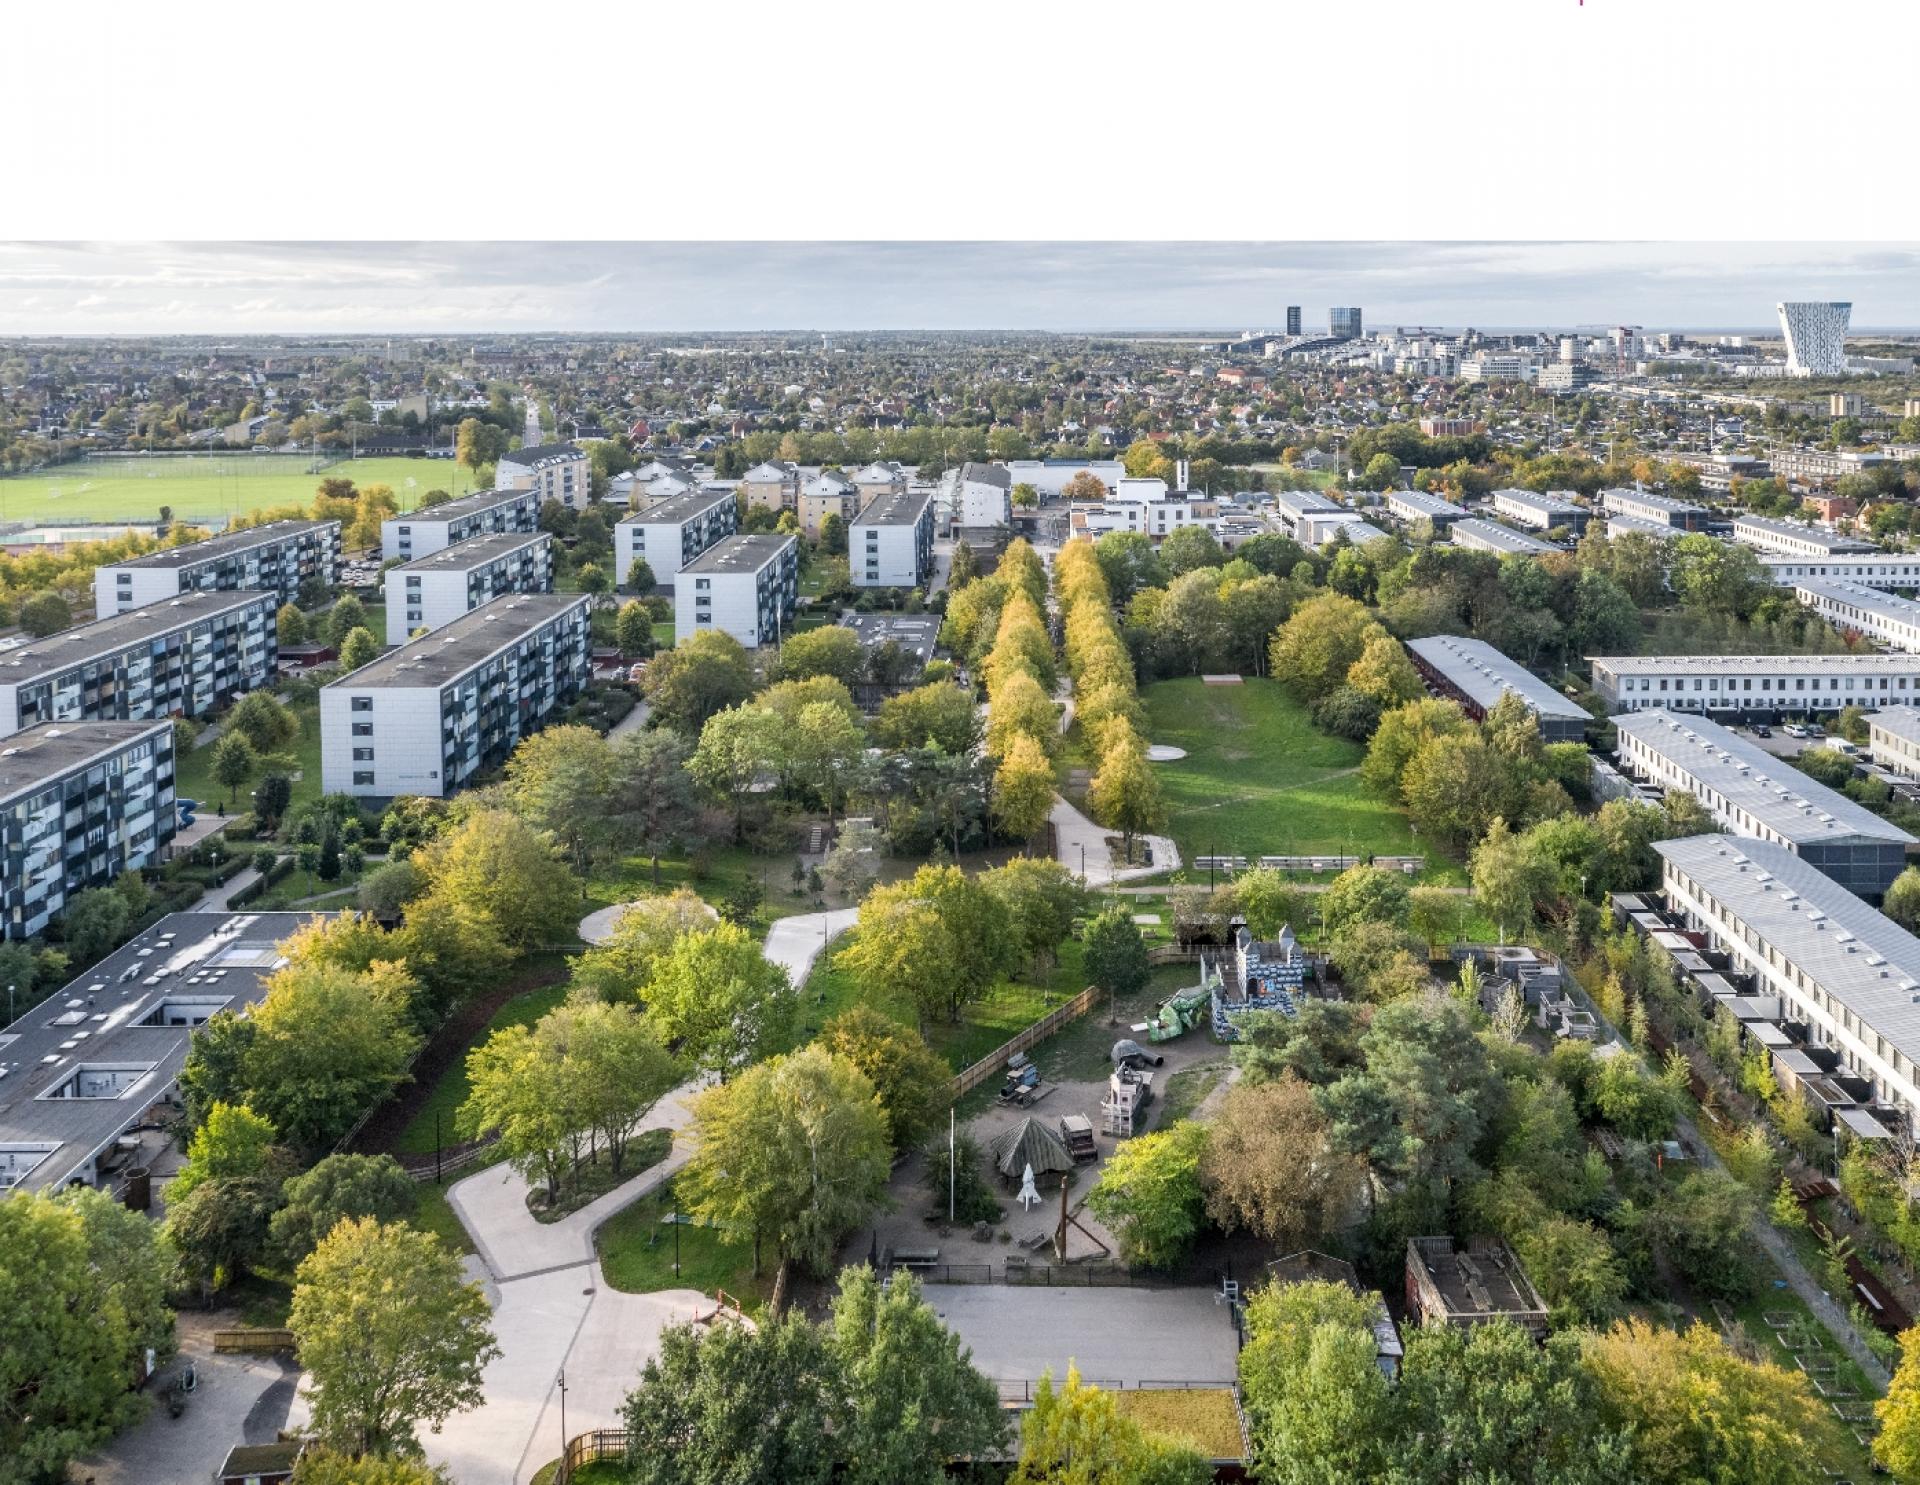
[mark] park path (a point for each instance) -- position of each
(1081, 847)
(795, 943)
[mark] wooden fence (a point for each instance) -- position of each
(586, 1448)
(253, 1340)
(995, 1061)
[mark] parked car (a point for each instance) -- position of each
(1761, 729)
(1814, 729)
(1794, 729)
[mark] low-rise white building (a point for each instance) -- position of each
(890, 544)
(436, 527)
(1893, 739)
(980, 496)
(1052, 476)
(1541, 511)
(1419, 505)
(1662, 510)
(430, 592)
(1794, 538)
(1486, 536)
(275, 557)
(744, 585)
(1322, 529)
(1882, 616)
(1294, 507)
(1899, 570)
(671, 534)
(556, 471)
(423, 719)
(1758, 685)
(1623, 525)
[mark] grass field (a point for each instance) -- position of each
(451, 1091)
(1260, 779)
(207, 487)
(636, 1254)
(194, 770)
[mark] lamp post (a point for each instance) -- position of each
(563, 1414)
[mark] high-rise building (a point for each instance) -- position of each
(1344, 324)
(1293, 319)
(1816, 335)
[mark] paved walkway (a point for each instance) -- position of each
(1074, 833)
(794, 943)
(214, 899)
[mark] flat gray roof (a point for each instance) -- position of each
(475, 551)
(677, 508)
(1873, 600)
(452, 650)
(1855, 953)
(1833, 541)
(1482, 672)
(1304, 502)
(223, 545)
(108, 636)
(896, 508)
(1549, 502)
(1752, 780)
(94, 1022)
(1500, 538)
(35, 756)
(739, 553)
(466, 505)
(1898, 721)
(1424, 502)
(1690, 665)
(915, 633)
(1651, 501)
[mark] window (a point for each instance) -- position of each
(363, 755)
(363, 777)
(363, 703)
(363, 729)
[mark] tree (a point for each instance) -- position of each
(633, 629)
(390, 1335)
(506, 873)
(651, 794)
(1694, 1410)
(854, 861)
(83, 1286)
(558, 780)
(718, 1001)
(95, 923)
(264, 722)
(328, 1045)
(222, 1227)
(1129, 562)
(339, 1187)
(1125, 795)
(1150, 1194)
(934, 942)
(1115, 957)
(1716, 577)
(912, 1082)
(1902, 902)
(44, 614)
(1364, 894)
(916, 1399)
(232, 1141)
(328, 1467)
(940, 713)
(829, 650)
(1316, 1400)
(690, 682)
(515, 1093)
(478, 445)
(1188, 548)
(290, 626)
(1384, 674)
(620, 967)
(273, 798)
(1897, 1448)
(1701, 1228)
(793, 1152)
(346, 615)
(386, 890)
(1076, 1435)
(1023, 789)
(1042, 899)
(1315, 649)
(612, 1069)
(1270, 1168)
(1402, 732)
(358, 648)
(822, 749)
(233, 763)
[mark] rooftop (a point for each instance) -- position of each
(466, 505)
(739, 554)
(1873, 600)
(1863, 664)
(178, 971)
(677, 508)
(224, 545)
(1501, 538)
(39, 755)
(475, 551)
(1484, 1279)
(1898, 721)
(896, 508)
(987, 474)
(1424, 501)
(1853, 952)
(915, 633)
(1784, 800)
(1483, 673)
(1550, 501)
(84, 642)
(1652, 501)
(542, 453)
(1801, 531)
(448, 653)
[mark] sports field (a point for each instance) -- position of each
(206, 487)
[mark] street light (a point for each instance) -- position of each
(563, 1415)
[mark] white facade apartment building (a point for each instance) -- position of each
(1624, 525)
(1893, 739)
(672, 533)
(1848, 973)
(980, 496)
(882, 477)
(430, 592)
(828, 493)
(274, 557)
(1662, 510)
(1485, 536)
(80, 803)
(1542, 512)
(1882, 616)
(557, 471)
(746, 586)
(1820, 466)
(1867, 569)
(1762, 684)
(1419, 505)
(774, 485)
(434, 529)
(1294, 507)
(1794, 538)
(890, 544)
(184, 656)
(423, 719)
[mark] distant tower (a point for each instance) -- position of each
(1344, 324)
(1293, 319)
(1816, 335)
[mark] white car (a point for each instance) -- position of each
(1794, 729)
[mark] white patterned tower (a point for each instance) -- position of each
(1816, 337)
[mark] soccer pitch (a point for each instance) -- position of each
(211, 487)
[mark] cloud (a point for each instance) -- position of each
(423, 287)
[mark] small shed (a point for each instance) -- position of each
(261, 1464)
(1030, 1143)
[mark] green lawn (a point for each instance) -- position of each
(207, 487)
(194, 771)
(1260, 779)
(435, 1213)
(451, 1091)
(636, 1254)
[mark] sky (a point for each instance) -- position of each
(125, 288)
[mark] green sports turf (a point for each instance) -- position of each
(207, 487)
(1260, 779)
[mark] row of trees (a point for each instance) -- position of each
(1335, 656)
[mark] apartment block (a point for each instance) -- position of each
(1487, 536)
(1755, 685)
(673, 532)
(80, 803)
(430, 592)
(1475, 674)
(1794, 538)
(1895, 570)
(1418, 505)
(1893, 740)
(890, 544)
(774, 485)
(184, 656)
(275, 557)
(828, 493)
(553, 471)
(1882, 616)
(1662, 510)
(488, 513)
(746, 586)
(1295, 506)
(425, 718)
(1750, 792)
(1541, 511)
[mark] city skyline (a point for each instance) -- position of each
(351, 288)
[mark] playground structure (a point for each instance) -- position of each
(1255, 976)
(1180, 1012)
